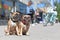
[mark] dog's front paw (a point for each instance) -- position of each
(19, 34)
(27, 33)
(7, 34)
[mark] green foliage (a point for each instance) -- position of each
(58, 10)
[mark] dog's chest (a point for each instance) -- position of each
(13, 23)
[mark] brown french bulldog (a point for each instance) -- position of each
(26, 21)
(14, 24)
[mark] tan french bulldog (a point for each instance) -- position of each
(26, 21)
(14, 24)
(17, 26)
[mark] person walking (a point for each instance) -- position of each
(31, 10)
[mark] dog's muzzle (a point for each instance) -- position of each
(26, 20)
(16, 18)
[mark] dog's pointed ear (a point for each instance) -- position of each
(11, 12)
(18, 11)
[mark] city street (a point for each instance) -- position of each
(37, 32)
(38, 11)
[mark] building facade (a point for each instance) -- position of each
(19, 7)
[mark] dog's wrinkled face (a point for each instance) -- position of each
(26, 18)
(15, 16)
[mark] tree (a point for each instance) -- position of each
(58, 10)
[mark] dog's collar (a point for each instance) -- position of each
(13, 20)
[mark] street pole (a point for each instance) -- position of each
(14, 7)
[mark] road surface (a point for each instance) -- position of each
(37, 32)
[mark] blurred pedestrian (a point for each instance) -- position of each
(41, 6)
(31, 10)
(37, 17)
(51, 16)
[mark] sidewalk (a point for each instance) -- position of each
(37, 32)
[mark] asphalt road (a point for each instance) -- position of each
(37, 32)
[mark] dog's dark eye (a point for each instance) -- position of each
(24, 17)
(28, 17)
